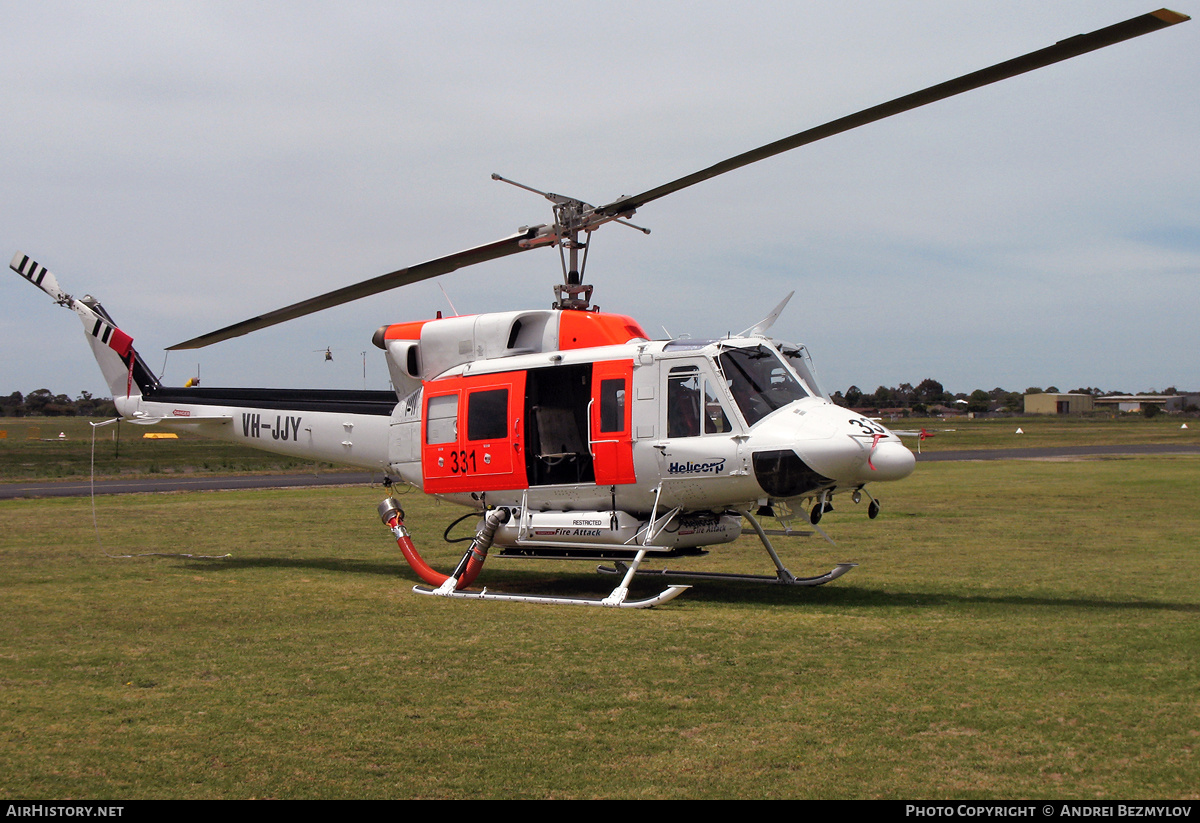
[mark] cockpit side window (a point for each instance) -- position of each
(759, 381)
(683, 402)
(694, 404)
(715, 420)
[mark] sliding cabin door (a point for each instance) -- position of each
(610, 422)
(473, 438)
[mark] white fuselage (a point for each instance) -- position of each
(639, 427)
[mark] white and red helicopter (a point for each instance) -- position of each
(570, 431)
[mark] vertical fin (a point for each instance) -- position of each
(113, 349)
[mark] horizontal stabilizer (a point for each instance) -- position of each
(147, 420)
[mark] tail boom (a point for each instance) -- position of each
(350, 428)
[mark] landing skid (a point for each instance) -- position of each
(784, 577)
(781, 577)
(442, 586)
(616, 600)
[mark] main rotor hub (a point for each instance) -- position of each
(572, 216)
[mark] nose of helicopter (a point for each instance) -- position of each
(826, 446)
(855, 451)
(891, 460)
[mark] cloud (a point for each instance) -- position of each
(196, 164)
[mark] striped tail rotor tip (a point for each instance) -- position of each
(38, 275)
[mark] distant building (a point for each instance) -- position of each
(1046, 403)
(940, 410)
(1137, 402)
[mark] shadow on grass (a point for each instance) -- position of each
(847, 595)
(350, 566)
(589, 584)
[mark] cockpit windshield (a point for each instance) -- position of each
(798, 358)
(759, 381)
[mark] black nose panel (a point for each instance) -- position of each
(783, 474)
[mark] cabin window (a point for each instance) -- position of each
(612, 406)
(442, 416)
(487, 415)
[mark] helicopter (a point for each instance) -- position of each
(568, 432)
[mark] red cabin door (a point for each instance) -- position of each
(609, 422)
(473, 435)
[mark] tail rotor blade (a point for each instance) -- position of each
(39, 276)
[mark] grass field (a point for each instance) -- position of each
(1017, 629)
(1041, 431)
(31, 449)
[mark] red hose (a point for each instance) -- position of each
(474, 567)
(423, 569)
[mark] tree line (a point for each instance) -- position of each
(929, 397)
(45, 403)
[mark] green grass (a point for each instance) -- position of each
(1047, 430)
(32, 450)
(1017, 629)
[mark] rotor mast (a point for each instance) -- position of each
(571, 217)
(573, 294)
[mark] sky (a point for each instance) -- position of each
(194, 164)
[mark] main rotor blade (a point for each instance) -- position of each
(1063, 50)
(413, 274)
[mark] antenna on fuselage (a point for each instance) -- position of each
(760, 328)
(448, 300)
